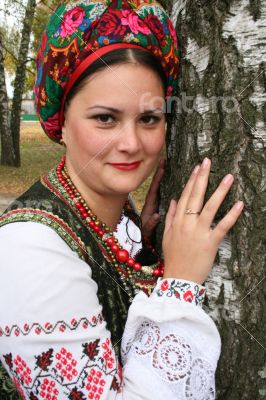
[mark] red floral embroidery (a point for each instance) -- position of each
(95, 384)
(22, 370)
(119, 373)
(66, 364)
(8, 360)
(188, 296)
(164, 285)
(48, 390)
(48, 327)
(107, 355)
(45, 360)
(91, 349)
(76, 395)
(55, 372)
(181, 290)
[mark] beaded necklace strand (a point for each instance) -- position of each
(118, 256)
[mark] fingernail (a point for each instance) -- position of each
(228, 179)
(205, 162)
(196, 169)
(239, 205)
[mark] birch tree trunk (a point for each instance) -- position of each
(7, 149)
(20, 77)
(220, 113)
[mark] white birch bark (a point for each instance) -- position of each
(223, 81)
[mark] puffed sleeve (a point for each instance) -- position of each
(53, 340)
(170, 346)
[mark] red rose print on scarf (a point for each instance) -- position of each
(172, 32)
(52, 122)
(110, 23)
(42, 48)
(156, 27)
(71, 20)
(134, 22)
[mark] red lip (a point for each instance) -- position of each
(126, 166)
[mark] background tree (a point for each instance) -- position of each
(13, 120)
(19, 58)
(220, 113)
(20, 77)
(7, 146)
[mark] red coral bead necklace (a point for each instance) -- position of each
(114, 250)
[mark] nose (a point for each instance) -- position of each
(128, 139)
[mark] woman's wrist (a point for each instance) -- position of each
(181, 289)
(183, 277)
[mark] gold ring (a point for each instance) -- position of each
(189, 211)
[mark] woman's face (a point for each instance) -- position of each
(114, 129)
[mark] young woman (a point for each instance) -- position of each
(88, 311)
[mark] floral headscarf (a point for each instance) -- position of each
(79, 32)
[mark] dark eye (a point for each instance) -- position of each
(106, 119)
(150, 119)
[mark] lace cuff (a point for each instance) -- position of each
(182, 290)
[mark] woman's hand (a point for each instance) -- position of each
(189, 243)
(149, 214)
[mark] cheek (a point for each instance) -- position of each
(83, 141)
(155, 143)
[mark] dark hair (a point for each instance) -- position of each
(120, 56)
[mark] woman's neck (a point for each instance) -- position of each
(108, 209)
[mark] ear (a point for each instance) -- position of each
(64, 135)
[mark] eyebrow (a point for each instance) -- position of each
(115, 110)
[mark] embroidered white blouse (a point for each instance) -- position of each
(54, 342)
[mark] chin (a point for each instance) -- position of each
(124, 188)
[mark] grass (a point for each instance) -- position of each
(38, 155)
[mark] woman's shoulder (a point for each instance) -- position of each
(26, 237)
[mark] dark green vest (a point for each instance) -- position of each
(45, 202)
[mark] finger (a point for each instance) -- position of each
(151, 198)
(151, 224)
(228, 221)
(182, 202)
(196, 198)
(211, 207)
(156, 180)
(170, 215)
